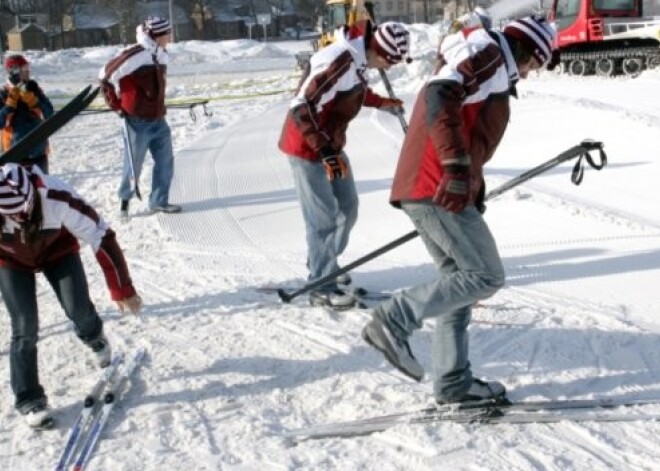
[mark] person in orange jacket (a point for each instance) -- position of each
(23, 107)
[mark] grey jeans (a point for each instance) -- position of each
(67, 277)
(469, 269)
(330, 211)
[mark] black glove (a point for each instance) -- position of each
(480, 200)
(32, 86)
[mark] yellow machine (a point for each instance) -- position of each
(338, 13)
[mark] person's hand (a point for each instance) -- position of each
(133, 304)
(335, 167)
(391, 103)
(28, 97)
(13, 96)
(453, 192)
(110, 95)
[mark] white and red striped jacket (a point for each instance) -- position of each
(135, 80)
(66, 218)
(330, 97)
(463, 109)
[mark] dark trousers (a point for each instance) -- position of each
(67, 277)
(41, 162)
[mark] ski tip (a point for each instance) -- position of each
(91, 94)
(117, 358)
(140, 353)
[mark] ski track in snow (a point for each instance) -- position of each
(229, 368)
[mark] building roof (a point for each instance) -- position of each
(26, 28)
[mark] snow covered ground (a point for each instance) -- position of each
(230, 369)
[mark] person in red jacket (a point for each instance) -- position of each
(42, 219)
(458, 120)
(314, 135)
(133, 84)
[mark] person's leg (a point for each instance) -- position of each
(319, 208)
(452, 375)
(19, 293)
(161, 151)
(347, 208)
(67, 277)
(473, 272)
(470, 269)
(136, 143)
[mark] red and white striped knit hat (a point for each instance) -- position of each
(156, 26)
(535, 34)
(392, 41)
(16, 190)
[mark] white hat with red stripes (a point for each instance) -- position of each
(536, 35)
(157, 26)
(16, 190)
(391, 40)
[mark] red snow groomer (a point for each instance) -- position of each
(606, 37)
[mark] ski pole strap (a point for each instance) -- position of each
(578, 168)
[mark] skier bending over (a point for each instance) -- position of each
(458, 120)
(314, 136)
(42, 219)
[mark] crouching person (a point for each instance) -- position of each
(42, 219)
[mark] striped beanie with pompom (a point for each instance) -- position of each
(16, 190)
(156, 26)
(536, 35)
(391, 41)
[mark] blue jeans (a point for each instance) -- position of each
(330, 210)
(139, 136)
(470, 269)
(67, 277)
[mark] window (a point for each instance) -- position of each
(567, 12)
(614, 4)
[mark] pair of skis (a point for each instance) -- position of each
(97, 405)
(47, 128)
(485, 412)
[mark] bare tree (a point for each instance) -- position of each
(309, 9)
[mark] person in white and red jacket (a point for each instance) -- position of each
(314, 135)
(133, 84)
(42, 219)
(458, 120)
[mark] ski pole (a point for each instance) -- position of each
(398, 110)
(369, 6)
(581, 150)
(130, 156)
